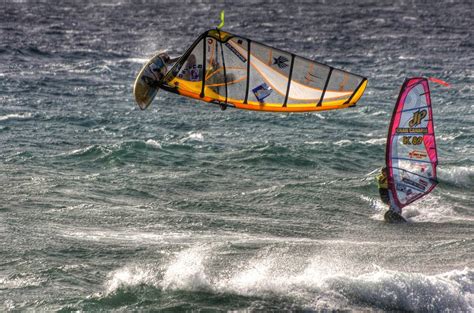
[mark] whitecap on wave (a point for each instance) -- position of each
(343, 142)
(153, 143)
(374, 141)
(21, 281)
(18, 116)
(193, 136)
(314, 283)
(459, 175)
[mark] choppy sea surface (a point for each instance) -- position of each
(187, 207)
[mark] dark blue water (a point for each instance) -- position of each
(186, 207)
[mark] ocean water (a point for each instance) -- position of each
(184, 207)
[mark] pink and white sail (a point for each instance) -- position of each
(411, 155)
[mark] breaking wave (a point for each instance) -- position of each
(318, 284)
(462, 176)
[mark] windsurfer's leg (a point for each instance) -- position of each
(384, 195)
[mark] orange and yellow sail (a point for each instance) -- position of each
(231, 70)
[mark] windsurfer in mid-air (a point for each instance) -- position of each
(156, 70)
(392, 215)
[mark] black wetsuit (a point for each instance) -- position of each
(384, 195)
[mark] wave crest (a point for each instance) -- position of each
(458, 175)
(313, 283)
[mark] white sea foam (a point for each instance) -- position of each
(78, 151)
(138, 237)
(394, 290)
(446, 137)
(377, 205)
(314, 282)
(130, 276)
(374, 141)
(9, 304)
(21, 281)
(153, 143)
(376, 113)
(251, 279)
(459, 175)
(410, 18)
(18, 116)
(196, 136)
(193, 136)
(187, 270)
(126, 236)
(432, 209)
(343, 142)
(138, 60)
(263, 190)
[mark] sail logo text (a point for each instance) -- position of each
(415, 154)
(237, 53)
(417, 118)
(412, 140)
(404, 130)
(412, 183)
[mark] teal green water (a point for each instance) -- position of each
(187, 207)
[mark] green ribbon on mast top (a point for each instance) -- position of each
(222, 20)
